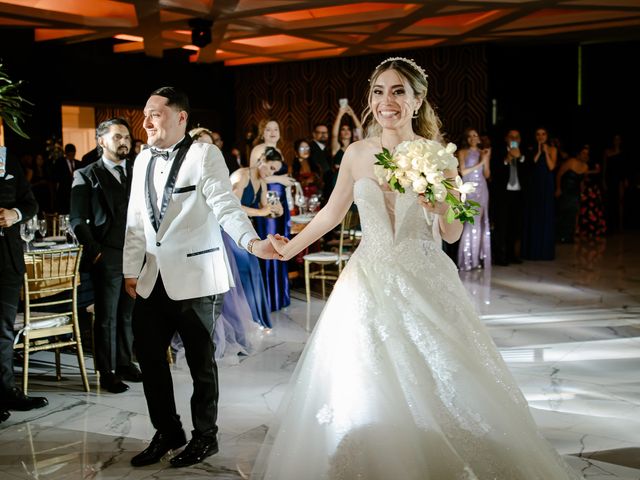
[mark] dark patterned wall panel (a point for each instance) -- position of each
(133, 116)
(301, 94)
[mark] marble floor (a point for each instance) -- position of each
(568, 329)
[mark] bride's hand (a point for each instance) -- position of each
(438, 208)
(279, 243)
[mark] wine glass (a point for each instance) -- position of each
(300, 200)
(63, 224)
(314, 203)
(42, 227)
(27, 232)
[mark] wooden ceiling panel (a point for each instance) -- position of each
(257, 31)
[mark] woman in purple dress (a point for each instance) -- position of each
(474, 250)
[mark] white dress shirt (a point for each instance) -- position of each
(111, 166)
(161, 171)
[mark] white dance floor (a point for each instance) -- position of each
(569, 330)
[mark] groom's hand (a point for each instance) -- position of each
(130, 286)
(263, 249)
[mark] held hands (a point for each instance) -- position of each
(265, 249)
(279, 243)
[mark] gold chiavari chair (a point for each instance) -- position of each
(324, 259)
(48, 273)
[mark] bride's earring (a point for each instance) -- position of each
(415, 114)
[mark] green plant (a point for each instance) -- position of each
(11, 103)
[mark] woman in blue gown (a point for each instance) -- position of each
(250, 187)
(538, 238)
(275, 272)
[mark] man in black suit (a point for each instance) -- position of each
(99, 199)
(506, 199)
(17, 204)
(320, 157)
(63, 169)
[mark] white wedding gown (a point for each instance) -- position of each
(400, 380)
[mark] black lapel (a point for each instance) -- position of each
(101, 173)
(151, 196)
(183, 148)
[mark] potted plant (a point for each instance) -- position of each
(11, 103)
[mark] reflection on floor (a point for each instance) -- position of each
(569, 330)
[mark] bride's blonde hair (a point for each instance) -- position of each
(426, 123)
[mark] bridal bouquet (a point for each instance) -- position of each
(420, 165)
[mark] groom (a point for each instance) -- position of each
(175, 267)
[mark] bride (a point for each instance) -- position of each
(399, 379)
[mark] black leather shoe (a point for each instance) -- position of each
(112, 383)
(158, 448)
(197, 450)
(130, 373)
(4, 414)
(15, 399)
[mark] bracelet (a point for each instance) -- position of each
(250, 245)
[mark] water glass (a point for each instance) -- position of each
(27, 232)
(42, 227)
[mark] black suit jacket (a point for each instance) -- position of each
(63, 179)
(15, 192)
(92, 209)
(319, 160)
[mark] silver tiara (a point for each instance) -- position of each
(410, 61)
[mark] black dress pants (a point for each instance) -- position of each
(10, 284)
(113, 335)
(155, 320)
(508, 225)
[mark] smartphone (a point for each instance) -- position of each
(513, 144)
(343, 102)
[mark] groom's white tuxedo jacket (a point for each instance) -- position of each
(181, 239)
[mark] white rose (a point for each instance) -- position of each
(435, 178)
(420, 185)
(404, 182)
(413, 175)
(439, 192)
(403, 162)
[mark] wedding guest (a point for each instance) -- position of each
(275, 272)
(40, 184)
(474, 250)
(99, 199)
(592, 223)
(249, 185)
(568, 186)
(17, 204)
(320, 158)
(508, 182)
(174, 267)
(308, 178)
(63, 169)
(342, 135)
(538, 238)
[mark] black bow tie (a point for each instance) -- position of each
(164, 154)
